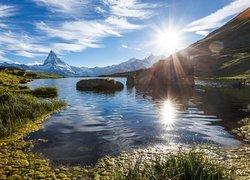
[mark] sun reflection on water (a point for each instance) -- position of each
(168, 111)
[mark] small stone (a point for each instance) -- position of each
(61, 175)
(15, 177)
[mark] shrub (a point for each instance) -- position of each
(180, 166)
(17, 109)
(45, 92)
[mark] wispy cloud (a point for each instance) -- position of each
(6, 10)
(203, 33)
(81, 34)
(34, 63)
(111, 18)
(65, 6)
(21, 45)
(121, 23)
(132, 48)
(219, 17)
(29, 54)
(130, 8)
(2, 58)
(125, 46)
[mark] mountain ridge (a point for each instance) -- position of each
(225, 51)
(54, 65)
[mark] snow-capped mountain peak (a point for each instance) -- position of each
(54, 65)
(53, 59)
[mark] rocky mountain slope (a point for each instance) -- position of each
(225, 51)
(54, 65)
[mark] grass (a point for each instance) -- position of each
(244, 130)
(18, 109)
(28, 75)
(18, 103)
(12, 80)
(180, 166)
(45, 92)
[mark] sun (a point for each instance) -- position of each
(168, 40)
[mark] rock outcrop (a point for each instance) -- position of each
(177, 69)
(99, 85)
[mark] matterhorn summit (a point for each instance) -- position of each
(53, 59)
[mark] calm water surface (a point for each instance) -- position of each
(97, 124)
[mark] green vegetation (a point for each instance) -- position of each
(124, 74)
(18, 109)
(17, 102)
(45, 92)
(17, 161)
(237, 77)
(182, 165)
(28, 75)
(244, 131)
(234, 64)
(12, 80)
(177, 163)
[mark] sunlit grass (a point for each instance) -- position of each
(17, 109)
(177, 166)
(45, 92)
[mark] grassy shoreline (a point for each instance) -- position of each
(18, 103)
(244, 130)
(238, 77)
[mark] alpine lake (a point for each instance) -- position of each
(97, 124)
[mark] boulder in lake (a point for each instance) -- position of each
(99, 85)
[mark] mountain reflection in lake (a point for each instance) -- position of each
(98, 124)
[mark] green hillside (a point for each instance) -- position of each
(225, 51)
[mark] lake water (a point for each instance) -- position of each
(97, 124)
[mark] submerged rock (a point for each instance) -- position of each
(99, 85)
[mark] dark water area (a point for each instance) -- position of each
(97, 124)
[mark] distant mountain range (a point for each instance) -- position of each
(54, 65)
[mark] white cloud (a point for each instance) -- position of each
(34, 63)
(65, 6)
(203, 33)
(28, 54)
(4, 59)
(130, 8)
(122, 23)
(6, 10)
(218, 18)
(73, 34)
(100, 10)
(21, 45)
(137, 49)
(83, 34)
(125, 46)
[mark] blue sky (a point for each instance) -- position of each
(103, 32)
